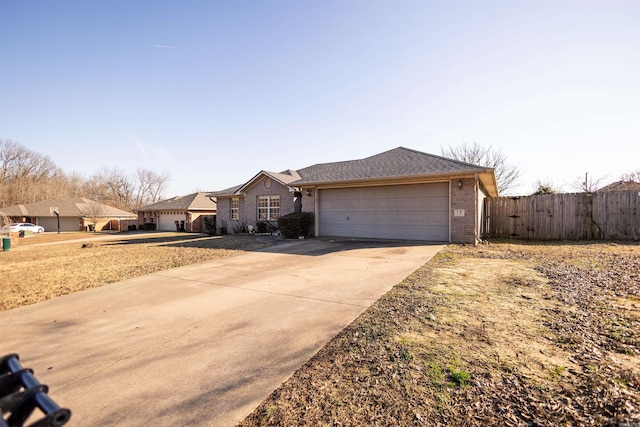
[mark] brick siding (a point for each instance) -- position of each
(463, 229)
(249, 204)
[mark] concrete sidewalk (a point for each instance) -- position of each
(201, 345)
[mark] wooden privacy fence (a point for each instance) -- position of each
(611, 215)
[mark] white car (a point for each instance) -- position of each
(26, 226)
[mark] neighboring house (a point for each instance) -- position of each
(189, 211)
(398, 194)
(75, 215)
(621, 186)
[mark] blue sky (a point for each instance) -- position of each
(214, 91)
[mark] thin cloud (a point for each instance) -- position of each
(143, 151)
(164, 46)
(151, 151)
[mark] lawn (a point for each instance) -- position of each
(504, 334)
(48, 265)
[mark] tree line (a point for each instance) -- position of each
(27, 176)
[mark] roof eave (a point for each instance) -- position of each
(424, 178)
(488, 180)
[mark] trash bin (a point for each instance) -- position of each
(6, 243)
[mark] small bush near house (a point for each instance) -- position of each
(241, 227)
(262, 227)
(148, 226)
(210, 224)
(295, 225)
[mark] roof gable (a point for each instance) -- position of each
(283, 178)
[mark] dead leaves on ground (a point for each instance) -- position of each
(548, 335)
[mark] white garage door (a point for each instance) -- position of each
(66, 223)
(413, 212)
(167, 221)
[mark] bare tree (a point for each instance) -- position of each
(71, 186)
(115, 188)
(631, 176)
(111, 186)
(93, 212)
(9, 153)
(507, 175)
(4, 221)
(588, 184)
(25, 176)
(149, 187)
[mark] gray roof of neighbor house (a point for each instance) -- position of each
(621, 186)
(78, 207)
(191, 202)
(397, 164)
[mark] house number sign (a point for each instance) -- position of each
(458, 212)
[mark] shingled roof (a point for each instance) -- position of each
(621, 186)
(231, 191)
(191, 202)
(396, 163)
(78, 207)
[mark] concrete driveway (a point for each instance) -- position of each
(201, 345)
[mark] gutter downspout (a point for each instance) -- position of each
(477, 214)
(450, 211)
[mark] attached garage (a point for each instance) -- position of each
(167, 220)
(66, 223)
(188, 209)
(408, 212)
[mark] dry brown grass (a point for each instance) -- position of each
(38, 239)
(506, 334)
(44, 266)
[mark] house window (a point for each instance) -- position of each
(268, 208)
(235, 208)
